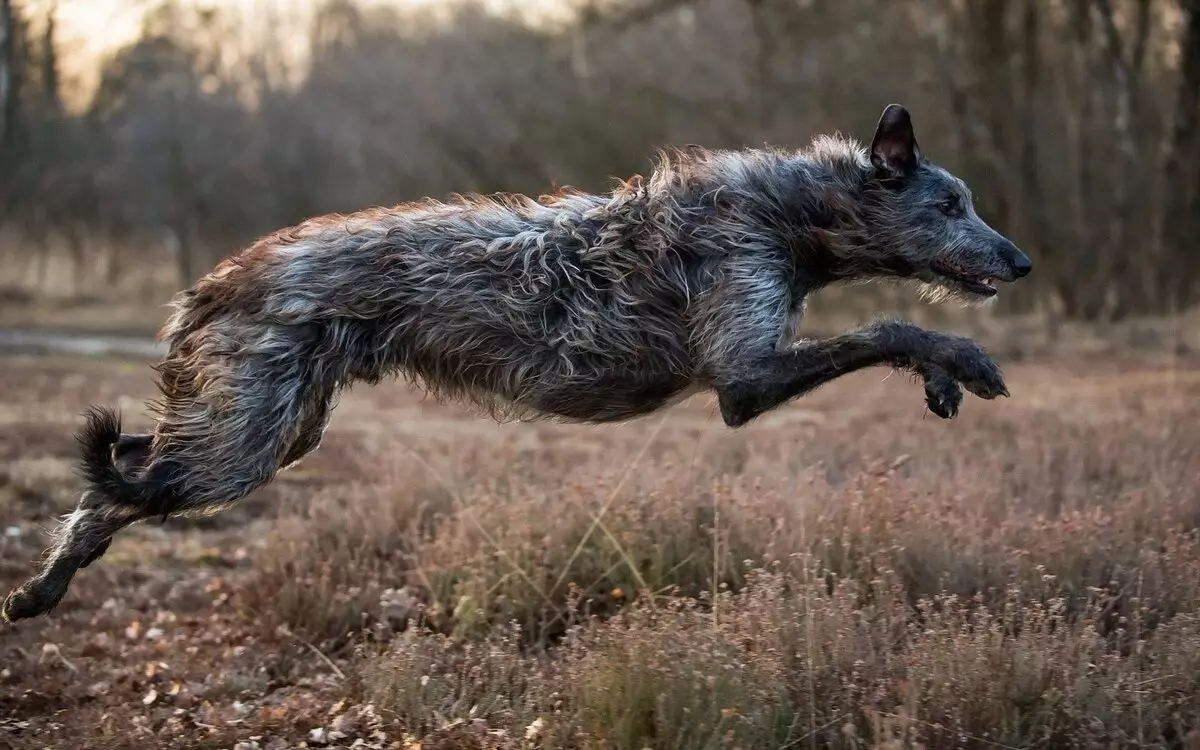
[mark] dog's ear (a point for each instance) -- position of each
(894, 149)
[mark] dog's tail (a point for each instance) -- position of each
(98, 436)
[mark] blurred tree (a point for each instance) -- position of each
(1180, 264)
(1075, 121)
(13, 63)
(173, 125)
(8, 74)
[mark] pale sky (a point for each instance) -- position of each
(94, 25)
(101, 24)
(87, 28)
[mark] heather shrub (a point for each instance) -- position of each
(841, 575)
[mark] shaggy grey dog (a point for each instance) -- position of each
(592, 308)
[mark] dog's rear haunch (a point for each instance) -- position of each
(591, 308)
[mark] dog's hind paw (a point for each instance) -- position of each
(19, 605)
(29, 600)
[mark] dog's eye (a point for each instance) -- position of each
(949, 205)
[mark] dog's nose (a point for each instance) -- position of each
(1021, 264)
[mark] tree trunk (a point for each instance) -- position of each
(1126, 174)
(1031, 223)
(51, 90)
(10, 74)
(78, 251)
(763, 59)
(1182, 193)
(992, 46)
(188, 253)
(1080, 267)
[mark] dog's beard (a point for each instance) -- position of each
(938, 292)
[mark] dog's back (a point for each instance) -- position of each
(522, 307)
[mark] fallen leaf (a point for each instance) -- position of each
(535, 728)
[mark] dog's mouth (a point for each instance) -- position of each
(954, 276)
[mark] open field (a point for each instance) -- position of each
(848, 571)
(1027, 575)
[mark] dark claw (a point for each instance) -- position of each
(988, 383)
(942, 394)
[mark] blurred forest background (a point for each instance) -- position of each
(1075, 121)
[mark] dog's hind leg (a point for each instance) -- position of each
(269, 415)
(212, 447)
(130, 453)
(81, 539)
(232, 415)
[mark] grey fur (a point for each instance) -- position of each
(581, 307)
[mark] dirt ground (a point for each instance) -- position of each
(167, 642)
(147, 641)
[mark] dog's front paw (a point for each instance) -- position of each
(942, 394)
(967, 362)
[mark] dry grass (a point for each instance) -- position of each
(848, 572)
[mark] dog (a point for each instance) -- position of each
(575, 306)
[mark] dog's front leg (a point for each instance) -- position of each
(942, 360)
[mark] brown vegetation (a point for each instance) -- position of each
(1026, 575)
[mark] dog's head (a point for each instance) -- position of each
(922, 221)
